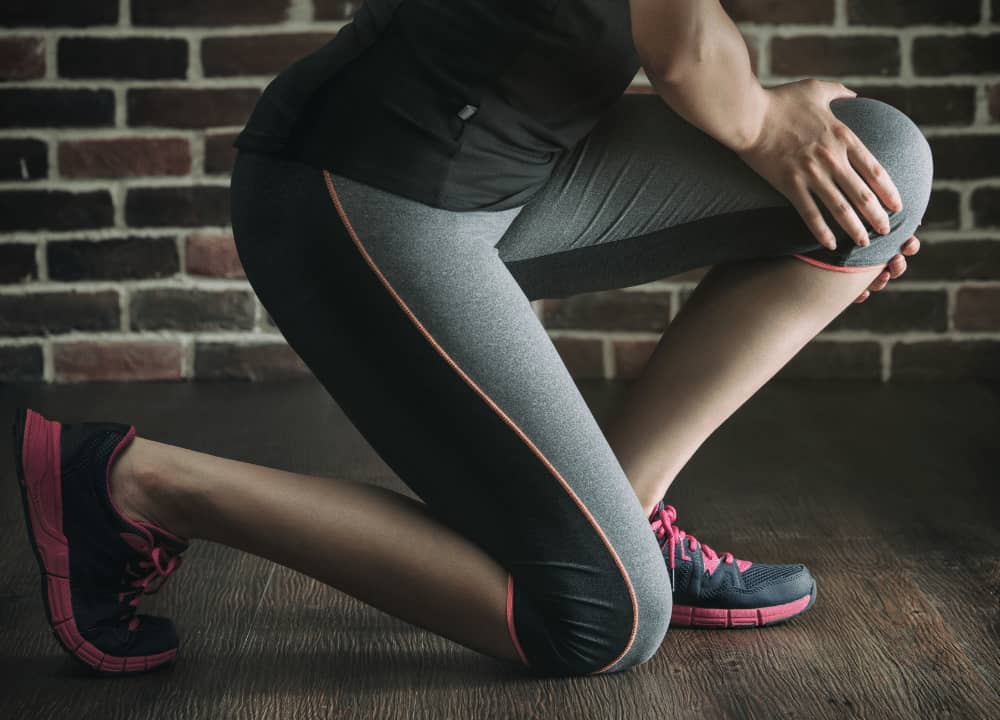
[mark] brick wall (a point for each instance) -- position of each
(116, 117)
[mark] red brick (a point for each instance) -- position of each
(835, 56)
(17, 262)
(20, 363)
(129, 360)
(177, 206)
(190, 107)
(610, 310)
(956, 54)
(966, 156)
(631, 356)
(986, 206)
(143, 58)
(207, 12)
(22, 58)
(54, 209)
(780, 11)
(927, 105)
(58, 13)
(954, 260)
(187, 309)
(56, 107)
(213, 254)
(113, 259)
(913, 12)
(890, 311)
(47, 313)
(257, 54)
(942, 211)
(946, 360)
(219, 152)
(583, 357)
(124, 157)
(977, 308)
(265, 361)
(23, 159)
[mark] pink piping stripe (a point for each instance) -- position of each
(510, 619)
(837, 268)
(489, 401)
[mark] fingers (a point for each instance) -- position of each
(862, 297)
(858, 192)
(897, 266)
(911, 246)
(881, 281)
(799, 196)
(833, 198)
(870, 169)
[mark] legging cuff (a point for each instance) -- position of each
(837, 268)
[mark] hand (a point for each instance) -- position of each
(801, 148)
(894, 268)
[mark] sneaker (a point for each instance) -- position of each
(716, 591)
(96, 564)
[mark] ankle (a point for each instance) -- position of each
(141, 487)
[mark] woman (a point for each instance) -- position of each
(398, 198)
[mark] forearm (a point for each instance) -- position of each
(697, 61)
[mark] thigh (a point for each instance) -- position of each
(415, 326)
(646, 195)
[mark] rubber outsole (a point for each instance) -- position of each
(89, 656)
(722, 618)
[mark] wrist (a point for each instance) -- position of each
(752, 119)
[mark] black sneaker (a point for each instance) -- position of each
(96, 564)
(719, 591)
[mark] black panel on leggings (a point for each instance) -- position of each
(459, 105)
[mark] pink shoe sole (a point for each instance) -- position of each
(687, 616)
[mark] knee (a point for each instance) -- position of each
(612, 623)
(899, 145)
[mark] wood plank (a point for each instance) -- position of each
(888, 493)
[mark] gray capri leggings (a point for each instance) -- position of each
(417, 320)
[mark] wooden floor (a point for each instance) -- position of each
(891, 495)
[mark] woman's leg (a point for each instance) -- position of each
(742, 323)
(412, 322)
(368, 541)
(646, 195)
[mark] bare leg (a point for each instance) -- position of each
(742, 323)
(377, 545)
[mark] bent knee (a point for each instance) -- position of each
(609, 625)
(900, 146)
(903, 151)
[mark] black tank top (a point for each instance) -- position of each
(459, 104)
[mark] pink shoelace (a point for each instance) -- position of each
(159, 563)
(662, 523)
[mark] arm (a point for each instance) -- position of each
(696, 60)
